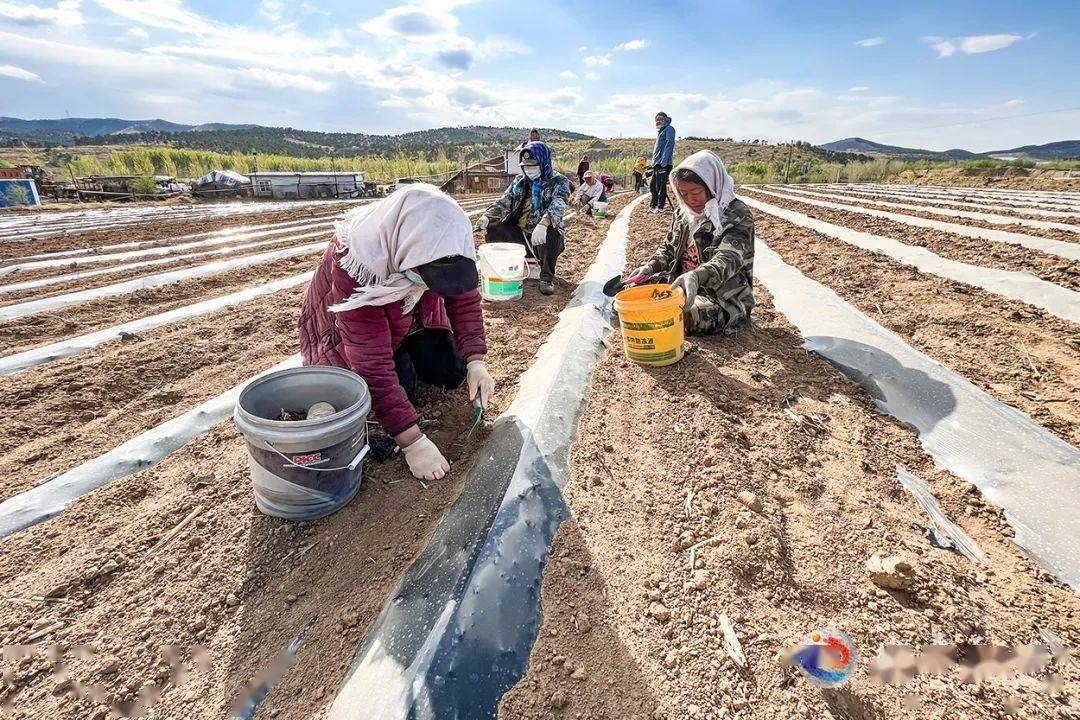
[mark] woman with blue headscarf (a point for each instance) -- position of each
(531, 210)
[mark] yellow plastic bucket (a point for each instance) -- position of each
(652, 328)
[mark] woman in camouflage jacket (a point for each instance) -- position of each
(709, 251)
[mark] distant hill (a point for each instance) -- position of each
(861, 145)
(1064, 150)
(1050, 151)
(221, 137)
(67, 130)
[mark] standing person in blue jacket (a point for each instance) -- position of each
(663, 158)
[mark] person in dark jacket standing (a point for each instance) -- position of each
(663, 158)
(394, 299)
(531, 211)
(582, 168)
(709, 251)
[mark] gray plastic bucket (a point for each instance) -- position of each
(304, 469)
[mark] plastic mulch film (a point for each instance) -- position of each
(1021, 286)
(31, 307)
(1061, 248)
(75, 345)
(993, 218)
(941, 525)
(457, 632)
(140, 452)
(1033, 475)
(229, 250)
(850, 193)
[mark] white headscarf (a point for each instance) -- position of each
(378, 242)
(711, 170)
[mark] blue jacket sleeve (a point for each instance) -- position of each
(667, 150)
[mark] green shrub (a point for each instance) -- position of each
(145, 185)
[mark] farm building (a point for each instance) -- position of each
(299, 185)
(492, 175)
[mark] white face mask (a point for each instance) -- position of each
(414, 277)
(531, 171)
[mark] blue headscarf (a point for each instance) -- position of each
(542, 154)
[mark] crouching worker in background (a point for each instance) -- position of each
(589, 192)
(395, 300)
(709, 251)
(531, 211)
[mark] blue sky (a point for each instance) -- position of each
(978, 75)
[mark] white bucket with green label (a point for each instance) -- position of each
(502, 270)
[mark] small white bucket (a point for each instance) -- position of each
(600, 209)
(502, 270)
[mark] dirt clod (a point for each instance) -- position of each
(892, 572)
(750, 500)
(659, 612)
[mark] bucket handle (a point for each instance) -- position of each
(351, 466)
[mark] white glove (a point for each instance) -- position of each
(645, 270)
(539, 235)
(689, 283)
(480, 382)
(424, 459)
(482, 223)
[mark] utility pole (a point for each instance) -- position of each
(787, 168)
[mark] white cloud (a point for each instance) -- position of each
(604, 59)
(987, 43)
(944, 47)
(19, 73)
(592, 76)
(972, 44)
(568, 75)
(285, 80)
(583, 48)
(412, 21)
(631, 45)
(139, 33)
(858, 88)
(870, 42)
(272, 10)
(1014, 102)
(66, 14)
(160, 14)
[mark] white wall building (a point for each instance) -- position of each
(305, 185)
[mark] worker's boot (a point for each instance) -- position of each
(547, 288)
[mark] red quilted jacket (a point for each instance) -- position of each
(364, 340)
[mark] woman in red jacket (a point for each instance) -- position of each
(395, 300)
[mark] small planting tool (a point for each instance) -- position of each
(478, 415)
(616, 284)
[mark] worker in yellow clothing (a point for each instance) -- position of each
(639, 174)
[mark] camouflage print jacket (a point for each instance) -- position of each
(516, 202)
(726, 273)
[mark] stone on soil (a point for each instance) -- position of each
(892, 572)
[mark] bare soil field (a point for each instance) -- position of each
(239, 583)
(1015, 352)
(784, 513)
(1014, 178)
(1052, 233)
(749, 483)
(973, 251)
(159, 232)
(945, 205)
